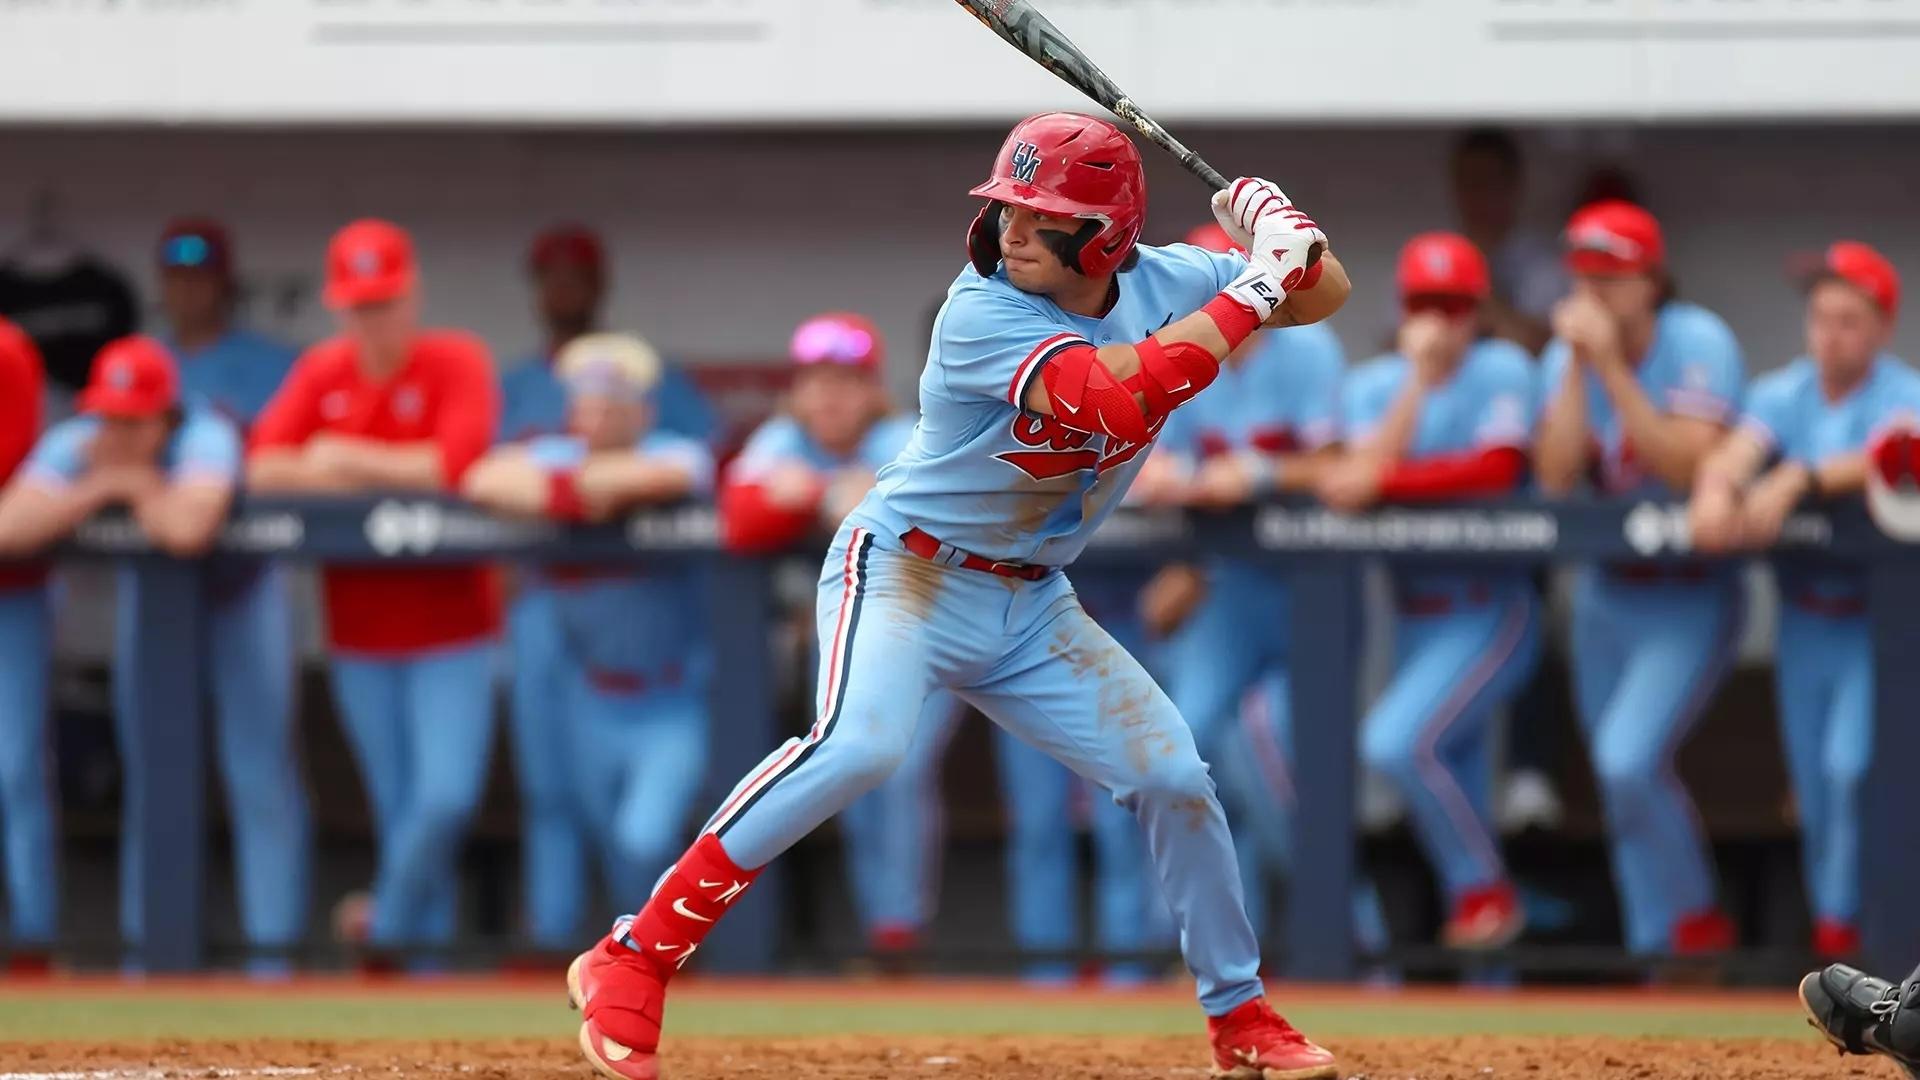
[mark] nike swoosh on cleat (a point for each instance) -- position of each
(680, 908)
(613, 1051)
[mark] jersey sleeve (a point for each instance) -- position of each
(292, 415)
(1709, 375)
(60, 456)
(689, 453)
(22, 391)
(1768, 413)
(989, 346)
(1364, 400)
(1317, 363)
(555, 452)
(206, 450)
(1510, 404)
(468, 411)
(774, 443)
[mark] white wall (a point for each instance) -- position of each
(724, 241)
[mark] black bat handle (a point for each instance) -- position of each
(1207, 173)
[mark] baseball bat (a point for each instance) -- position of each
(1025, 29)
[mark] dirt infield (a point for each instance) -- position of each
(874, 1057)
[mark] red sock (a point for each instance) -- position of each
(687, 905)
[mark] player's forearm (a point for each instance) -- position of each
(184, 519)
(1301, 472)
(611, 483)
(507, 483)
(34, 517)
(1391, 439)
(1842, 474)
(1669, 447)
(285, 472)
(1327, 296)
(1560, 450)
(415, 466)
(1734, 463)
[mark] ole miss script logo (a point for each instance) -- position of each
(1062, 451)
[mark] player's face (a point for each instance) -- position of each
(1031, 264)
(1629, 298)
(193, 296)
(607, 422)
(1456, 320)
(569, 294)
(1845, 329)
(384, 329)
(835, 403)
(127, 440)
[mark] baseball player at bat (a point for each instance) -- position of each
(632, 715)
(388, 406)
(173, 462)
(1806, 433)
(1448, 415)
(26, 632)
(568, 266)
(799, 475)
(1271, 424)
(1061, 351)
(1639, 388)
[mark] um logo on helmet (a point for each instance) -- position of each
(1026, 158)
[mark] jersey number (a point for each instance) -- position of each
(1063, 451)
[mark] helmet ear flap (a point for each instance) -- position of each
(1067, 247)
(983, 239)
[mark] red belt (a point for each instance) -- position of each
(614, 681)
(931, 549)
(1652, 573)
(1833, 607)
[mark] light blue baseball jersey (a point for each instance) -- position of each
(981, 472)
(534, 402)
(237, 374)
(205, 446)
(646, 616)
(1790, 414)
(1491, 401)
(782, 439)
(1693, 368)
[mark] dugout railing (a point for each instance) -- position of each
(1323, 553)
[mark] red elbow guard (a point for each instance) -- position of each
(1086, 396)
(1170, 375)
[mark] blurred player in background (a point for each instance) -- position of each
(1447, 416)
(567, 265)
(1270, 424)
(1805, 434)
(1527, 278)
(631, 718)
(26, 661)
(1061, 351)
(1639, 388)
(390, 406)
(173, 463)
(796, 479)
(251, 649)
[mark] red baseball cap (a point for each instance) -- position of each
(841, 338)
(1614, 237)
(1214, 238)
(1442, 264)
(1865, 269)
(133, 376)
(369, 262)
(196, 243)
(568, 245)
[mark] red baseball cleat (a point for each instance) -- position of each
(1486, 918)
(1705, 931)
(623, 997)
(1253, 1043)
(1835, 940)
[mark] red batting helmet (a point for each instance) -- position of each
(1067, 165)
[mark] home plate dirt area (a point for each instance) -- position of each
(848, 1030)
